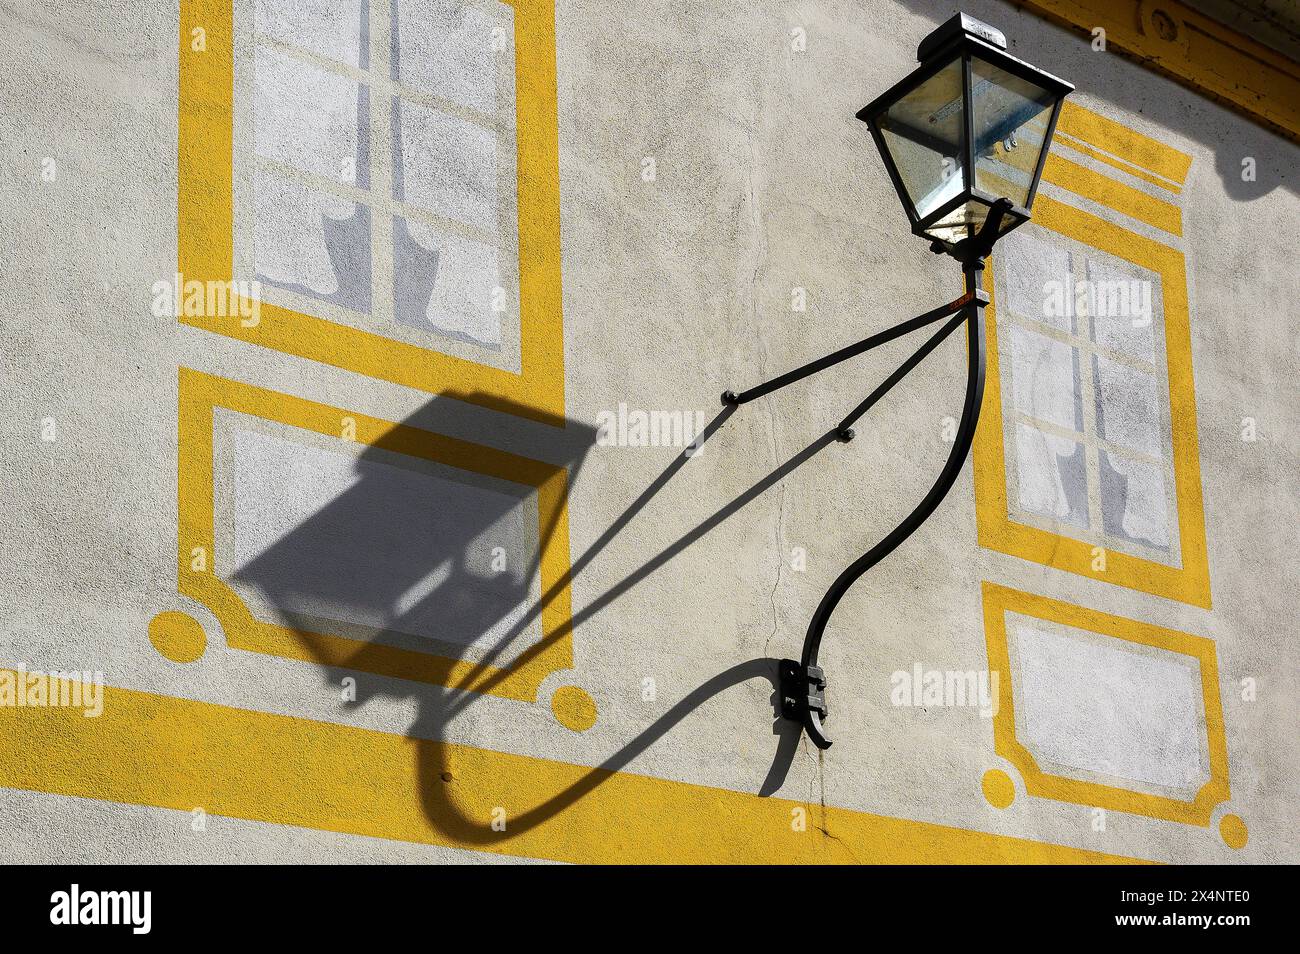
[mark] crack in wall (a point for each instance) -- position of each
(759, 239)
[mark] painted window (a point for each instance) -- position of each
(1087, 402)
(391, 549)
(383, 179)
(1100, 710)
(381, 170)
(1086, 459)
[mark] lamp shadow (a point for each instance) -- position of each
(441, 567)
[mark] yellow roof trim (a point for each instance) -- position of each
(1199, 52)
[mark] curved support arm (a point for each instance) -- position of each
(951, 468)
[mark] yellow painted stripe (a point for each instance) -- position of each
(1122, 198)
(175, 753)
(204, 143)
(1080, 146)
(1116, 138)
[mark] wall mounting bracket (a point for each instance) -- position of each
(802, 684)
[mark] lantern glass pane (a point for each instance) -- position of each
(925, 133)
(960, 223)
(1011, 119)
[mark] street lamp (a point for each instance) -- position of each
(964, 131)
(964, 138)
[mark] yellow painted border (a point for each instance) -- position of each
(1107, 141)
(1104, 140)
(1082, 147)
(200, 394)
(1117, 139)
(997, 531)
(205, 228)
(148, 749)
(1132, 202)
(998, 601)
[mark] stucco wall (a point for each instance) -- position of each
(658, 211)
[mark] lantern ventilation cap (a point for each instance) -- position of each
(956, 29)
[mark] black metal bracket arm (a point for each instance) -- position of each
(803, 683)
(852, 351)
(963, 220)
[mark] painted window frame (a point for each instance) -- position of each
(205, 227)
(201, 394)
(1189, 583)
(1000, 600)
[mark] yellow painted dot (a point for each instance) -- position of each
(999, 790)
(178, 636)
(573, 708)
(1233, 831)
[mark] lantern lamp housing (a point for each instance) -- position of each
(965, 135)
